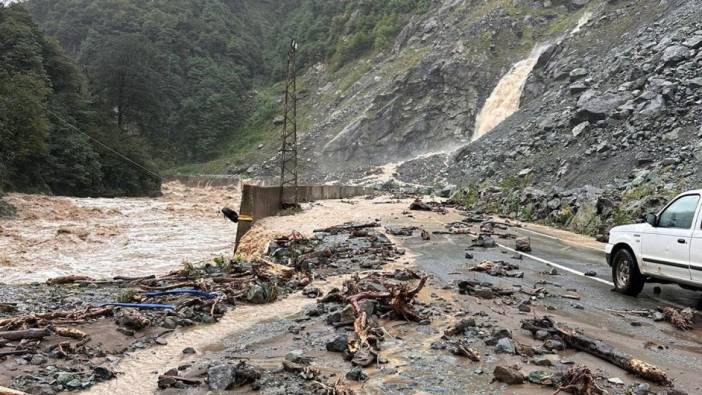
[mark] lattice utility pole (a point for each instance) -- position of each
(288, 151)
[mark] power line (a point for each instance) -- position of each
(119, 154)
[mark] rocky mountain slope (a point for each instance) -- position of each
(611, 121)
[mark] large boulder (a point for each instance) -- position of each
(675, 53)
(586, 220)
(221, 377)
(654, 107)
(6, 210)
(593, 107)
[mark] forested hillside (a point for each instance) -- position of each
(42, 92)
(182, 73)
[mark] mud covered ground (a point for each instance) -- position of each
(291, 353)
(460, 327)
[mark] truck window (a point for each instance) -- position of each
(680, 213)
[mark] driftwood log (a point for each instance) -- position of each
(598, 348)
(348, 227)
(10, 391)
(267, 270)
(26, 334)
(68, 279)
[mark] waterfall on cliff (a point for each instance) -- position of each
(504, 99)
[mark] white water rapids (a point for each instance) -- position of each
(56, 236)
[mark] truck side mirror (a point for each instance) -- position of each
(652, 219)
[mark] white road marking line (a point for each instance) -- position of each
(569, 270)
(572, 243)
(573, 271)
(564, 268)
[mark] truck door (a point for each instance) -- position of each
(666, 249)
(696, 250)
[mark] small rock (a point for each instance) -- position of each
(539, 377)
(64, 378)
(523, 244)
(541, 334)
(189, 350)
(356, 374)
(500, 333)
(508, 375)
(339, 344)
(298, 356)
(543, 360)
(553, 345)
(580, 128)
(505, 346)
(675, 53)
(616, 381)
(484, 293)
(38, 359)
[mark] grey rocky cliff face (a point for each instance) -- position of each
(640, 107)
(620, 112)
(424, 93)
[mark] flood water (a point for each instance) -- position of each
(54, 236)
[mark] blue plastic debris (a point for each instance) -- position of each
(143, 306)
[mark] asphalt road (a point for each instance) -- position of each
(678, 352)
(584, 259)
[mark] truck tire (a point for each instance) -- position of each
(625, 273)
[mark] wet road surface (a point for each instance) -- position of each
(680, 353)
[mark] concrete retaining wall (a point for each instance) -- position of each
(258, 202)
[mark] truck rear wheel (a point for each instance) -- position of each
(625, 273)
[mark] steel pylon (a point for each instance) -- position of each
(288, 151)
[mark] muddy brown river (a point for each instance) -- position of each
(54, 236)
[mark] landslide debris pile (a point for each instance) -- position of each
(363, 301)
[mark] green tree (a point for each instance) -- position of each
(42, 95)
(124, 74)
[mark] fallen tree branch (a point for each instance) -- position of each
(598, 348)
(681, 319)
(188, 284)
(579, 381)
(36, 320)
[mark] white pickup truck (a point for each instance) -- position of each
(667, 248)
